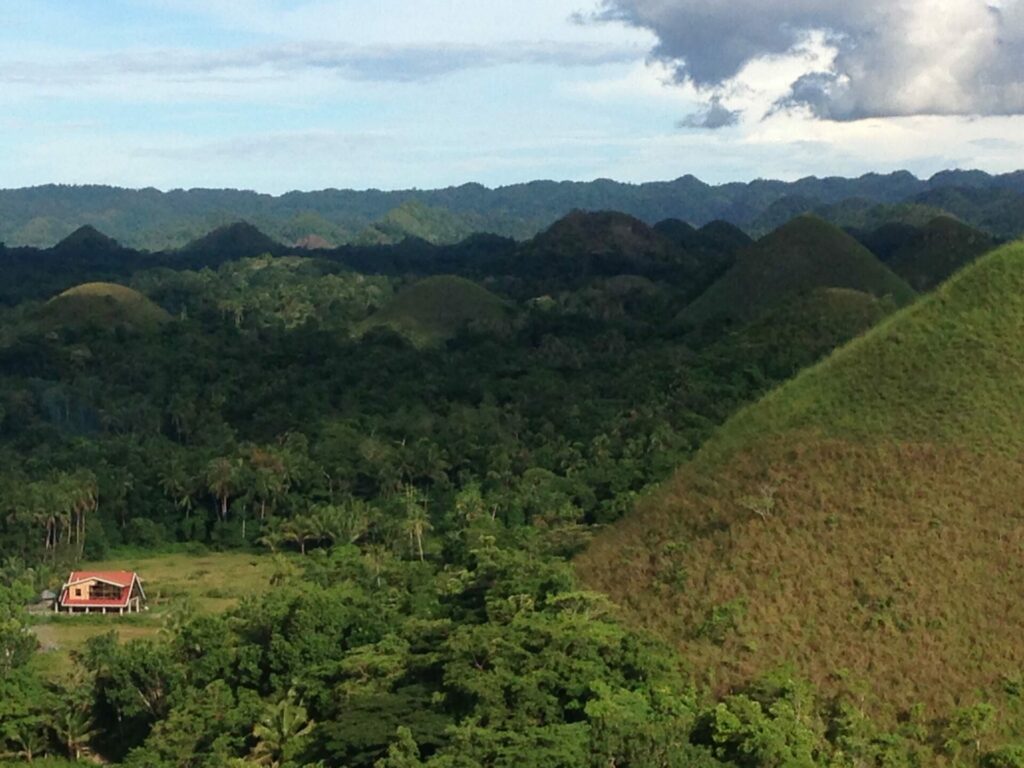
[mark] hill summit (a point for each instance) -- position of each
(89, 239)
(803, 255)
(235, 241)
(861, 524)
(599, 243)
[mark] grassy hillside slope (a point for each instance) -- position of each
(437, 308)
(805, 254)
(861, 523)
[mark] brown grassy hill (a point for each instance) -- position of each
(863, 523)
(101, 305)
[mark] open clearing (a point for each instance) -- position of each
(209, 583)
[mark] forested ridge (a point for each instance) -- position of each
(157, 220)
(419, 439)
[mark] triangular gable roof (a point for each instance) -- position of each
(115, 578)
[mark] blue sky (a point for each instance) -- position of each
(308, 94)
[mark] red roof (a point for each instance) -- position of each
(122, 579)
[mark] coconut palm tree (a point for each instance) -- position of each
(73, 727)
(222, 480)
(280, 732)
(417, 522)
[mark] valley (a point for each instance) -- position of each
(655, 495)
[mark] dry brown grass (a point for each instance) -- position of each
(892, 563)
(899, 569)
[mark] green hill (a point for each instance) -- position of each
(724, 236)
(102, 305)
(797, 333)
(87, 239)
(937, 250)
(434, 310)
(610, 240)
(711, 250)
(234, 241)
(805, 254)
(414, 219)
(862, 523)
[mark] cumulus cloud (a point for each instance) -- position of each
(889, 57)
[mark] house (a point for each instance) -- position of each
(101, 592)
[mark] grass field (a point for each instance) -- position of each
(212, 583)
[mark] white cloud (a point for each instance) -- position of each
(888, 57)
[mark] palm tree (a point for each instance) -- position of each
(300, 530)
(83, 496)
(73, 727)
(280, 731)
(179, 486)
(222, 476)
(376, 557)
(417, 522)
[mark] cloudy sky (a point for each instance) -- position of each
(305, 94)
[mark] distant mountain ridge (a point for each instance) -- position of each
(154, 220)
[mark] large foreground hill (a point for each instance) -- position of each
(863, 523)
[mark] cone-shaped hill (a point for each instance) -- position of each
(435, 309)
(937, 250)
(711, 250)
(862, 523)
(604, 243)
(795, 334)
(805, 254)
(724, 236)
(89, 240)
(101, 305)
(234, 241)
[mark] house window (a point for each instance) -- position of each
(78, 592)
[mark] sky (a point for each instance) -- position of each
(276, 95)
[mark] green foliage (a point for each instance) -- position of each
(419, 501)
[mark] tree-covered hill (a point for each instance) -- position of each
(861, 523)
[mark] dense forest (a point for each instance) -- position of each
(423, 439)
(157, 221)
